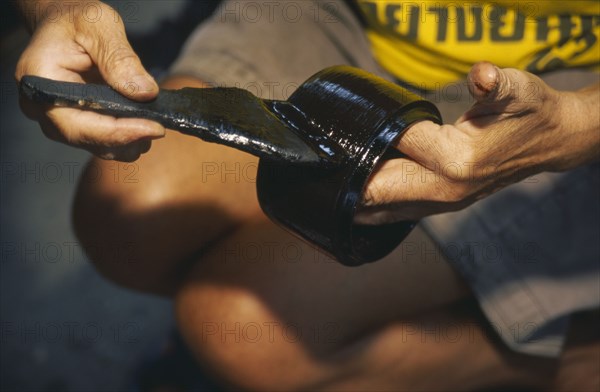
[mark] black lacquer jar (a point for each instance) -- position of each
(351, 117)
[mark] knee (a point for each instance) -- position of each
(113, 219)
(236, 337)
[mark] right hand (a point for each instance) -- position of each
(517, 127)
(87, 43)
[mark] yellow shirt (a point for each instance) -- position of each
(429, 43)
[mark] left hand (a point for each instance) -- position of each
(73, 48)
(517, 127)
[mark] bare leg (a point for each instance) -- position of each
(181, 196)
(262, 317)
(295, 323)
(200, 234)
(187, 194)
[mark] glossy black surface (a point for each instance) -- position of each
(229, 116)
(317, 149)
(358, 115)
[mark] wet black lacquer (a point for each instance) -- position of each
(317, 149)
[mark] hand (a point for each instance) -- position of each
(78, 47)
(517, 127)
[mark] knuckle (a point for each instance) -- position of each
(119, 56)
(379, 192)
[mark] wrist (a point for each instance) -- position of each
(578, 134)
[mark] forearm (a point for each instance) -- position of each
(578, 136)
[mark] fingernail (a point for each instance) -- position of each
(144, 83)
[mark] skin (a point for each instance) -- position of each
(71, 48)
(189, 239)
(487, 143)
(517, 127)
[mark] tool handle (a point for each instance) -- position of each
(103, 99)
(95, 97)
(229, 116)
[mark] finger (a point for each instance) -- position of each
(403, 190)
(430, 144)
(107, 45)
(402, 180)
(482, 80)
(496, 91)
(86, 128)
(407, 211)
(122, 70)
(125, 153)
(490, 84)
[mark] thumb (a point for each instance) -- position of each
(488, 83)
(500, 91)
(118, 64)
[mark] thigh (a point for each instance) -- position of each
(295, 284)
(165, 207)
(262, 309)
